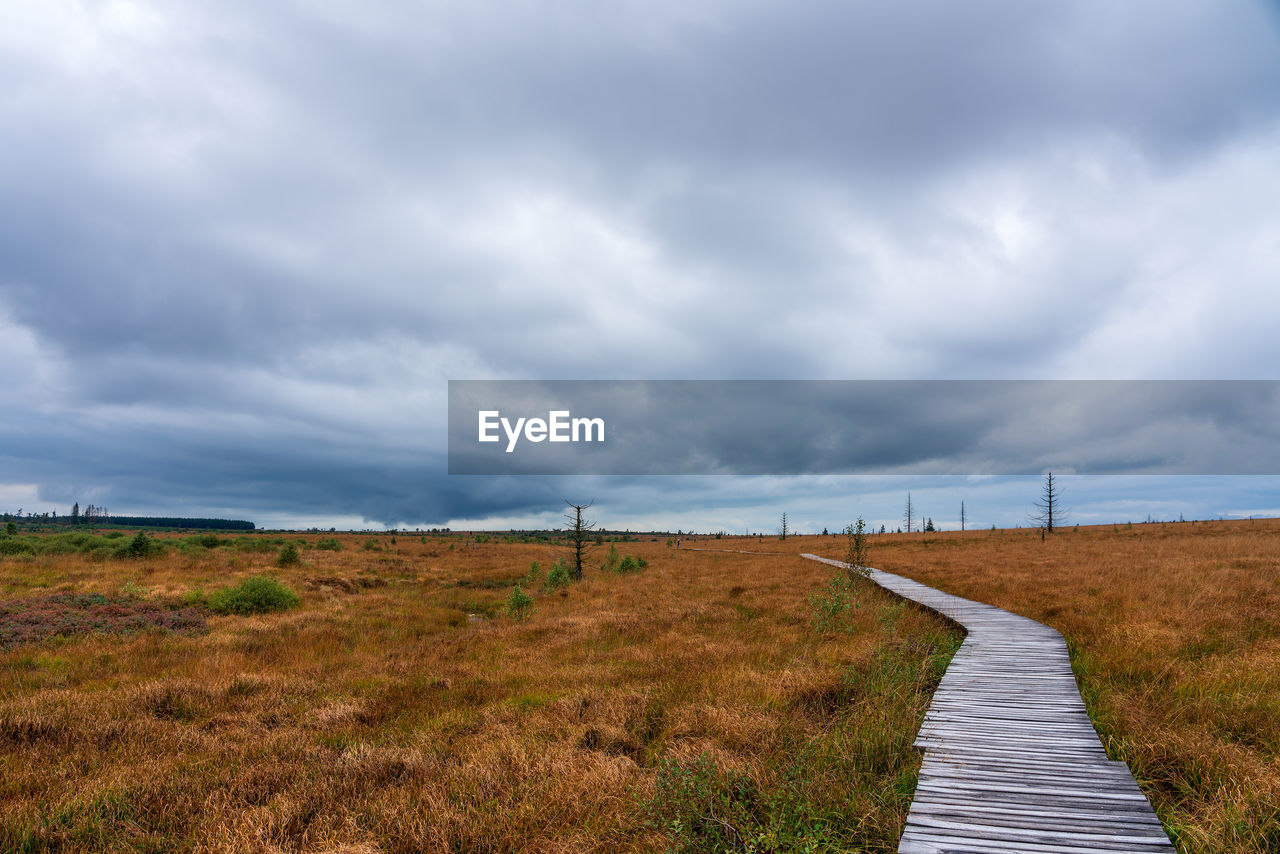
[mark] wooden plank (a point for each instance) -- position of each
(1012, 761)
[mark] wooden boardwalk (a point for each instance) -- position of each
(1011, 759)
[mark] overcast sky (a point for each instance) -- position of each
(244, 246)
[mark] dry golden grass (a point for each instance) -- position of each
(1175, 637)
(379, 717)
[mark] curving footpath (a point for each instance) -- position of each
(1011, 760)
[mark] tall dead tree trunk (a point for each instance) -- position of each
(579, 530)
(1050, 513)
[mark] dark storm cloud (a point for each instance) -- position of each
(242, 247)
(256, 475)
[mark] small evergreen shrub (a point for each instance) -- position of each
(132, 590)
(257, 595)
(702, 808)
(558, 576)
(858, 553)
(254, 544)
(138, 546)
(519, 604)
(834, 604)
(207, 541)
(288, 556)
(535, 576)
(195, 598)
(622, 564)
(12, 546)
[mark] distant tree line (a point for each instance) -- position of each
(180, 522)
(98, 516)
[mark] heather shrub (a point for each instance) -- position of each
(68, 614)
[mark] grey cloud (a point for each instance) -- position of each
(819, 84)
(356, 203)
(184, 474)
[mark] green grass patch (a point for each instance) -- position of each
(260, 594)
(140, 545)
(847, 786)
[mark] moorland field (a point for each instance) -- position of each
(691, 703)
(406, 700)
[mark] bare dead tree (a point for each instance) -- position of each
(1049, 513)
(782, 532)
(579, 531)
(962, 515)
(906, 516)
